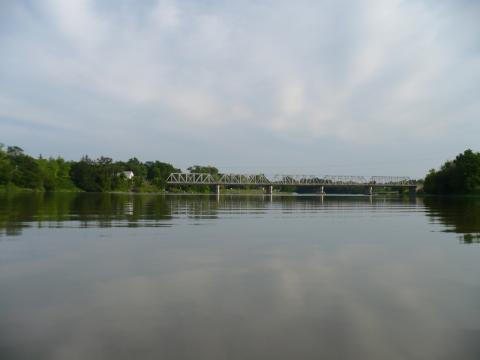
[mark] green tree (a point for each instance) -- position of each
(198, 169)
(139, 171)
(459, 176)
(26, 172)
(49, 172)
(14, 151)
(63, 180)
(158, 172)
(6, 167)
(105, 172)
(83, 175)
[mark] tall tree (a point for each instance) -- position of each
(459, 176)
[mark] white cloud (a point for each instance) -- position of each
(165, 15)
(78, 22)
(352, 72)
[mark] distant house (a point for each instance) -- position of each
(128, 174)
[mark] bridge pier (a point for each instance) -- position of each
(216, 189)
(322, 190)
(269, 189)
(369, 190)
(412, 191)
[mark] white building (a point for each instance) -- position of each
(128, 174)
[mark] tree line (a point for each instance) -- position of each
(19, 170)
(458, 176)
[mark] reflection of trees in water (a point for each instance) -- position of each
(460, 215)
(212, 207)
(18, 211)
(107, 210)
(22, 210)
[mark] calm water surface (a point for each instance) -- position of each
(85, 276)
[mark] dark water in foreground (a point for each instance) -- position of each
(87, 276)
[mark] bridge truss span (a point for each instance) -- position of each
(296, 180)
(287, 180)
(345, 180)
(191, 179)
(390, 180)
(244, 179)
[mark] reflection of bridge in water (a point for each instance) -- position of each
(320, 182)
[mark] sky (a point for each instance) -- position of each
(344, 87)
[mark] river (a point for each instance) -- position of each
(118, 276)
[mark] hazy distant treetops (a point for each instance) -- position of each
(198, 169)
(459, 176)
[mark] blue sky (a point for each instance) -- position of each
(367, 87)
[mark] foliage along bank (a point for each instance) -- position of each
(21, 171)
(458, 176)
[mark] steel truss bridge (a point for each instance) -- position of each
(289, 180)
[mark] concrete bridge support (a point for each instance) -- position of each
(216, 189)
(269, 189)
(412, 191)
(322, 190)
(369, 190)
